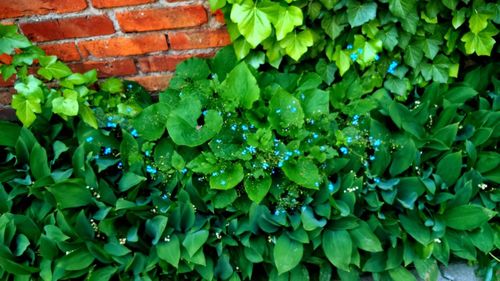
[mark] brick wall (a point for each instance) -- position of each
(141, 40)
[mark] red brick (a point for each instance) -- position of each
(23, 8)
(9, 82)
(166, 62)
(118, 3)
(5, 59)
(219, 16)
(68, 28)
(64, 51)
(153, 83)
(167, 18)
(199, 39)
(121, 67)
(6, 96)
(124, 46)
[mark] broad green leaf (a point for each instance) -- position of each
(102, 274)
(296, 44)
(331, 26)
(240, 88)
(430, 46)
(449, 167)
(309, 221)
(39, 163)
(358, 14)
(55, 70)
(403, 157)
(26, 108)
(481, 43)
(231, 177)
(155, 227)
(10, 39)
(70, 194)
(364, 238)
(183, 124)
(401, 274)
(303, 172)
(467, 217)
(288, 19)
(170, 251)
(287, 254)
(76, 260)
(10, 133)
(401, 8)
(194, 241)
(315, 103)
(129, 180)
(285, 111)
(88, 116)
(67, 105)
(216, 4)
(478, 22)
(460, 94)
(150, 123)
(252, 21)
(337, 245)
(112, 85)
(416, 229)
(257, 188)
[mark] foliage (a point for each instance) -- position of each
(237, 173)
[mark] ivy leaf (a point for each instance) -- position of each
(252, 22)
(401, 8)
(26, 107)
(359, 14)
(478, 22)
(240, 88)
(10, 39)
(331, 26)
(413, 55)
(481, 43)
(342, 60)
(337, 246)
(296, 44)
(458, 18)
(288, 19)
(55, 70)
(30, 88)
(67, 105)
(430, 46)
(287, 254)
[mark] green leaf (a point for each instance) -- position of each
(231, 177)
(285, 111)
(240, 88)
(55, 70)
(26, 108)
(88, 116)
(10, 133)
(155, 227)
(150, 123)
(364, 238)
(460, 94)
(481, 43)
(70, 194)
(337, 246)
(309, 222)
(102, 274)
(289, 18)
(315, 103)
(112, 85)
(467, 217)
(403, 157)
(430, 46)
(449, 167)
(401, 8)
(478, 22)
(39, 163)
(10, 39)
(129, 180)
(401, 274)
(416, 229)
(303, 172)
(170, 251)
(183, 124)
(296, 44)
(194, 241)
(358, 14)
(67, 105)
(77, 260)
(458, 18)
(257, 188)
(252, 20)
(287, 254)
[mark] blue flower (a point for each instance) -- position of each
(349, 46)
(293, 109)
(110, 118)
(111, 125)
(251, 149)
(164, 197)
(204, 112)
(344, 150)
(297, 152)
(392, 67)
(147, 153)
(223, 182)
(89, 139)
(316, 184)
(129, 109)
(377, 57)
(355, 117)
(278, 110)
(372, 157)
(315, 135)
(360, 51)
(331, 187)
(120, 165)
(244, 127)
(377, 180)
(134, 133)
(234, 127)
(354, 56)
(265, 166)
(215, 174)
(129, 86)
(377, 142)
(277, 212)
(349, 139)
(151, 170)
(276, 152)
(280, 164)
(221, 171)
(218, 141)
(184, 170)
(107, 151)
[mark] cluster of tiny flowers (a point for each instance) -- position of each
(184, 170)
(351, 189)
(392, 67)
(355, 120)
(89, 139)
(110, 123)
(483, 186)
(134, 133)
(344, 150)
(151, 170)
(249, 149)
(107, 151)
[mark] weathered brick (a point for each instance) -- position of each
(5, 97)
(219, 16)
(23, 8)
(153, 83)
(9, 82)
(199, 39)
(5, 59)
(124, 46)
(118, 3)
(119, 67)
(166, 18)
(68, 28)
(165, 62)
(64, 51)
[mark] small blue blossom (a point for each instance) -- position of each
(344, 150)
(251, 149)
(303, 208)
(129, 86)
(293, 109)
(360, 51)
(349, 139)
(377, 57)
(278, 110)
(107, 151)
(289, 153)
(372, 157)
(110, 125)
(280, 164)
(164, 197)
(349, 46)
(377, 180)
(311, 122)
(129, 109)
(244, 136)
(244, 152)
(215, 174)
(89, 139)
(244, 127)
(151, 170)
(223, 182)
(221, 171)
(315, 135)
(355, 122)
(392, 67)
(184, 171)
(286, 158)
(322, 148)
(354, 56)
(134, 133)
(377, 142)
(277, 212)
(331, 187)
(204, 112)
(316, 184)
(265, 166)
(147, 153)
(120, 165)
(297, 152)
(218, 141)
(110, 118)
(234, 127)
(302, 96)
(355, 117)
(276, 152)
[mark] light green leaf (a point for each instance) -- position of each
(257, 188)
(337, 246)
(55, 70)
(458, 18)
(416, 229)
(26, 108)
(252, 22)
(67, 105)
(296, 44)
(303, 172)
(88, 116)
(10, 39)
(467, 217)
(287, 253)
(231, 177)
(288, 19)
(481, 43)
(112, 85)
(240, 88)
(170, 251)
(358, 14)
(401, 8)
(364, 238)
(478, 22)
(401, 274)
(194, 241)
(285, 111)
(150, 123)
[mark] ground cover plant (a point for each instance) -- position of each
(241, 171)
